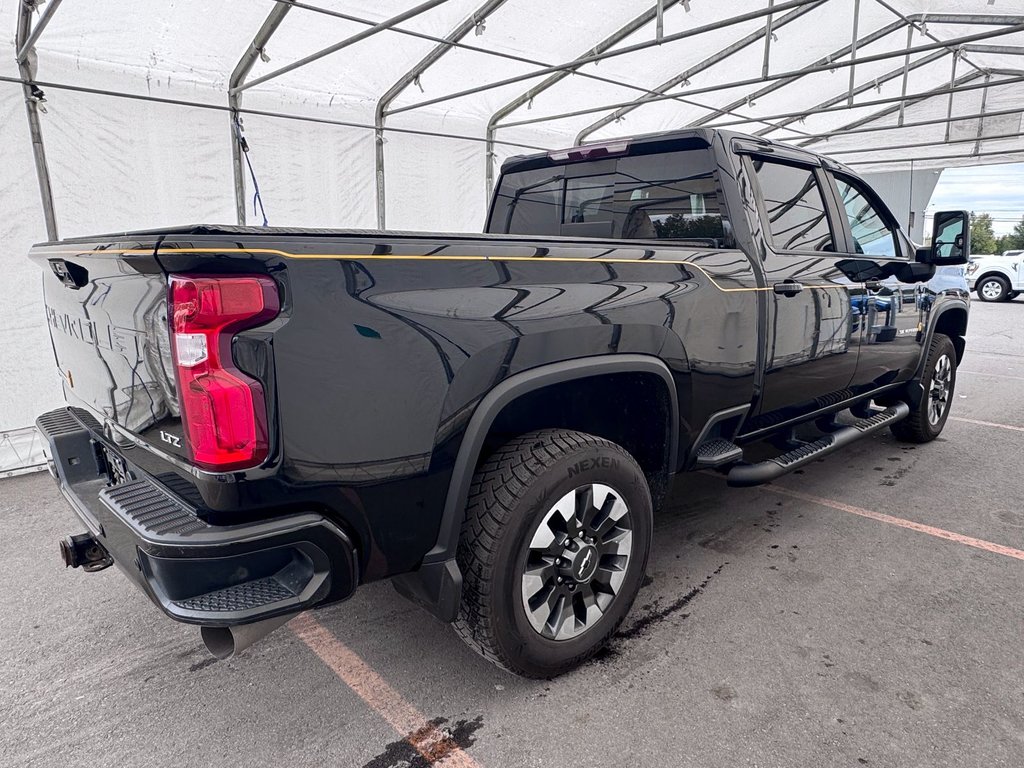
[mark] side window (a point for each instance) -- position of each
(795, 207)
(872, 235)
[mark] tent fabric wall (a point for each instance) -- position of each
(119, 161)
(28, 382)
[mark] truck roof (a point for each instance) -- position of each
(685, 135)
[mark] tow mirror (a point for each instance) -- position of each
(951, 239)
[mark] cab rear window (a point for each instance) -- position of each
(662, 196)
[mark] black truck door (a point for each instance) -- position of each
(888, 315)
(809, 359)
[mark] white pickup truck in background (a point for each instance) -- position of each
(997, 277)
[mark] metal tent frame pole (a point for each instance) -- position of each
(962, 83)
(497, 54)
(915, 124)
(925, 159)
(862, 88)
(826, 60)
(892, 100)
(696, 69)
(25, 39)
(656, 12)
(380, 113)
(262, 112)
(238, 75)
(925, 144)
(593, 58)
(386, 24)
(1019, 27)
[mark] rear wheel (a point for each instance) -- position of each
(553, 550)
(926, 421)
(993, 288)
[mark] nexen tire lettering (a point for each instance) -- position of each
(602, 462)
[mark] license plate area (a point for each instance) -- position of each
(117, 468)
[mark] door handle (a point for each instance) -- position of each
(788, 288)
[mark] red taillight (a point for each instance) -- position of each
(590, 151)
(223, 410)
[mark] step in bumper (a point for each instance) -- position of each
(197, 573)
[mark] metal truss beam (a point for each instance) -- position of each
(824, 135)
(925, 159)
(911, 22)
(410, 77)
(923, 144)
(386, 24)
(25, 46)
(839, 53)
(707, 63)
(263, 112)
(238, 74)
(862, 88)
(589, 59)
(1001, 50)
(779, 76)
(962, 83)
(609, 42)
(24, 41)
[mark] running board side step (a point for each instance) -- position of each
(744, 475)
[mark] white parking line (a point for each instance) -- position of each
(986, 423)
(996, 375)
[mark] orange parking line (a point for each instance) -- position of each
(940, 533)
(431, 742)
(986, 423)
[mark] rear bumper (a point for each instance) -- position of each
(214, 575)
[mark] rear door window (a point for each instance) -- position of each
(795, 207)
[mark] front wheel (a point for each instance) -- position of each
(553, 550)
(993, 288)
(938, 380)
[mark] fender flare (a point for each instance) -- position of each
(913, 389)
(933, 322)
(437, 585)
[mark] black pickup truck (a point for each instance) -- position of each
(259, 420)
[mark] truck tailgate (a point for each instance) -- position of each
(107, 314)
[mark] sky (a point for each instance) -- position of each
(994, 189)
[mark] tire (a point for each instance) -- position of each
(926, 421)
(522, 515)
(993, 288)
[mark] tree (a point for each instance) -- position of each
(1014, 240)
(983, 238)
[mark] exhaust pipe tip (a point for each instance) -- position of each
(226, 642)
(218, 641)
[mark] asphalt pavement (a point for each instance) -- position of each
(866, 611)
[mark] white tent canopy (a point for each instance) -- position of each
(364, 114)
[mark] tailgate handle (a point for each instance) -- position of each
(788, 288)
(72, 275)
